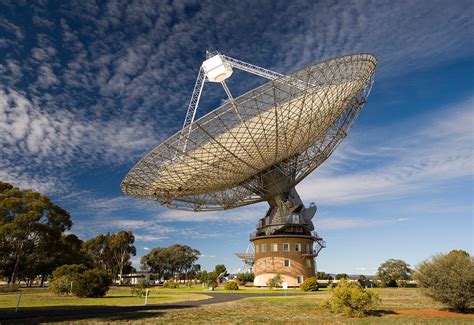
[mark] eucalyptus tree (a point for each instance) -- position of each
(28, 220)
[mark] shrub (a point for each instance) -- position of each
(61, 285)
(171, 285)
(350, 299)
(140, 289)
(69, 270)
(64, 276)
(231, 285)
(274, 282)
(310, 284)
(448, 279)
(245, 277)
(92, 283)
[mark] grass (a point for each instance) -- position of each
(306, 310)
(117, 296)
(399, 306)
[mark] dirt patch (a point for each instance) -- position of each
(433, 313)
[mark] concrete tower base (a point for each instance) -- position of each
(292, 256)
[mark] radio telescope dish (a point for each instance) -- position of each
(258, 147)
(259, 144)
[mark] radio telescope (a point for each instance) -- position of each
(257, 147)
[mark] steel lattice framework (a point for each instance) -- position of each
(260, 144)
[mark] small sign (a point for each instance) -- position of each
(285, 285)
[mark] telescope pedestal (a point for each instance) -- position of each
(293, 258)
(285, 241)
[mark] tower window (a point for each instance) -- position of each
(308, 263)
(298, 247)
(264, 248)
(300, 279)
(287, 263)
(274, 247)
(256, 249)
(286, 247)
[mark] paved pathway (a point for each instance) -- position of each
(75, 313)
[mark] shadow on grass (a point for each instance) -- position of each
(381, 312)
(128, 316)
(33, 315)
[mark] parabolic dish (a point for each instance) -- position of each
(290, 124)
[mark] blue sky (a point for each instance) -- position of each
(87, 88)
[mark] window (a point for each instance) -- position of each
(300, 279)
(256, 248)
(286, 247)
(274, 247)
(264, 248)
(308, 263)
(287, 263)
(263, 263)
(298, 247)
(307, 250)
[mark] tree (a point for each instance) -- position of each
(111, 252)
(274, 282)
(175, 261)
(50, 253)
(323, 276)
(341, 276)
(27, 219)
(245, 277)
(121, 247)
(220, 271)
(448, 278)
(392, 271)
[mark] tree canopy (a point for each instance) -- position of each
(171, 262)
(392, 271)
(111, 252)
(30, 226)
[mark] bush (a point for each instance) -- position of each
(92, 283)
(61, 285)
(274, 282)
(448, 279)
(64, 276)
(140, 289)
(171, 285)
(69, 270)
(310, 284)
(231, 285)
(245, 277)
(350, 299)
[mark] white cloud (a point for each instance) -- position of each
(149, 238)
(431, 151)
(34, 139)
(207, 256)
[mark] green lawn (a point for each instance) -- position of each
(117, 296)
(399, 306)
